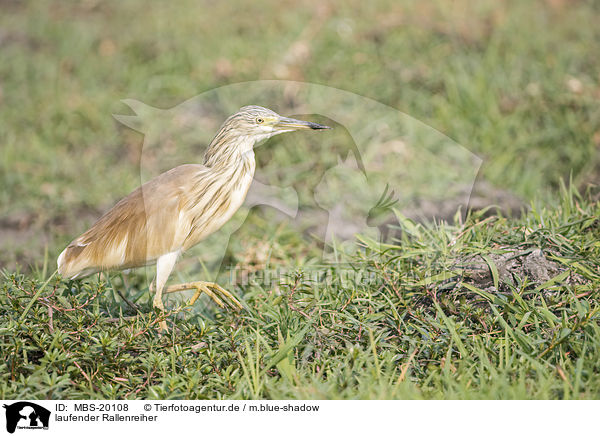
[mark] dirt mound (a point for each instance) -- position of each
(513, 266)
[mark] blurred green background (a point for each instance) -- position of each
(501, 96)
(516, 83)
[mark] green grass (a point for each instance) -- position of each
(399, 322)
(516, 83)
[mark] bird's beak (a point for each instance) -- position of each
(292, 124)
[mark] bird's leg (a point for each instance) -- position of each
(157, 301)
(213, 290)
(158, 304)
(164, 266)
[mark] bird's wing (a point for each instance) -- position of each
(137, 230)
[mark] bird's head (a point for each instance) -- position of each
(260, 123)
(242, 130)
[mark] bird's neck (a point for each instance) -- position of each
(230, 152)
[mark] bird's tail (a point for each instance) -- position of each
(72, 262)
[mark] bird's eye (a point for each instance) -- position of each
(260, 120)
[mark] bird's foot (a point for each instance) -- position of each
(213, 290)
(162, 327)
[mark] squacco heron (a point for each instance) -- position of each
(176, 210)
